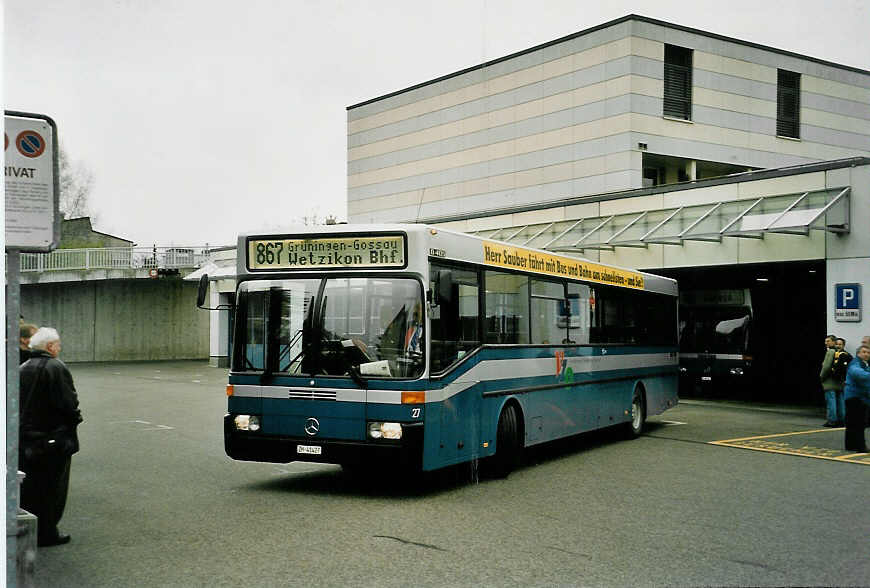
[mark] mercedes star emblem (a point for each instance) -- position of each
(312, 426)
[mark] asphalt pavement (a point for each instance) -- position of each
(155, 502)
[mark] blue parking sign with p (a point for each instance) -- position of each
(847, 304)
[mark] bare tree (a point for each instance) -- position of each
(76, 183)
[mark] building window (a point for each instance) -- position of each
(788, 103)
(678, 82)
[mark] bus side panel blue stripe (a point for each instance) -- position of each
(562, 412)
(485, 354)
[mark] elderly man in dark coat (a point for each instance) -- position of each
(49, 416)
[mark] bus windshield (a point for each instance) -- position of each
(369, 327)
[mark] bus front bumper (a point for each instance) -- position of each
(252, 446)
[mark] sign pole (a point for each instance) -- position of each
(13, 305)
(32, 198)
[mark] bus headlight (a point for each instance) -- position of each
(247, 422)
(737, 371)
(379, 430)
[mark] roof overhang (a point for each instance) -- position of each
(796, 213)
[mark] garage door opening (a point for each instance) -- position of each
(752, 332)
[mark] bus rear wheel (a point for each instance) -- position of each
(507, 448)
(634, 427)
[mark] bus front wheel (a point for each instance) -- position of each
(634, 427)
(507, 449)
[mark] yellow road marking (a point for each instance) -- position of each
(852, 455)
(778, 435)
(785, 449)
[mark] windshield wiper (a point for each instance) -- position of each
(286, 351)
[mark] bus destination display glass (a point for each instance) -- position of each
(380, 251)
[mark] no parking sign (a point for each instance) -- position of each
(32, 194)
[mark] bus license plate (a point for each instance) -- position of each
(309, 449)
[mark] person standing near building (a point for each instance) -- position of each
(857, 393)
(829, 384)
(839, 367)
(26, 331)
(49, 417)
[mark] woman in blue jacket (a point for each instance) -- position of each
(857, 395)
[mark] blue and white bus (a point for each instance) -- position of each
(422, 347)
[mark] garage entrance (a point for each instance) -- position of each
(752, 332)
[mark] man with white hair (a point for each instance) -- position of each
(49, 417)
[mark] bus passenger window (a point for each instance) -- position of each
(507, 308)
(578, 312)
(454, 321)
(608, 325)
(548, 300)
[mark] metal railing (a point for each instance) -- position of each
(135, 258)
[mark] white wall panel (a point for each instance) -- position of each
(848, 271)
(835, 89)
(626, 205)
(779, 247)
(700, 253)
(785, 185)
(697, 196)
(830, 120)
(649, 258)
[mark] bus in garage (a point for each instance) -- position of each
(715, 332)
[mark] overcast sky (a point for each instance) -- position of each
(201, 119)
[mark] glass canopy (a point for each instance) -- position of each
(799, 213)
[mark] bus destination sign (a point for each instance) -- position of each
(380, 251)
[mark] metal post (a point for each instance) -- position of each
(13, 305)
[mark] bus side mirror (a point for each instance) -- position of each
(203, 290)
(202, 293)
(443, 287)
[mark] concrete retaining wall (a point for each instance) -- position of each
(121, 320)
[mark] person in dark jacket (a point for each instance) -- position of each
(857, 393)
(26, 331)
(49, 416)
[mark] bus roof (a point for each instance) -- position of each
(459, 242)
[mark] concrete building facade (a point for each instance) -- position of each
(588, 114)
